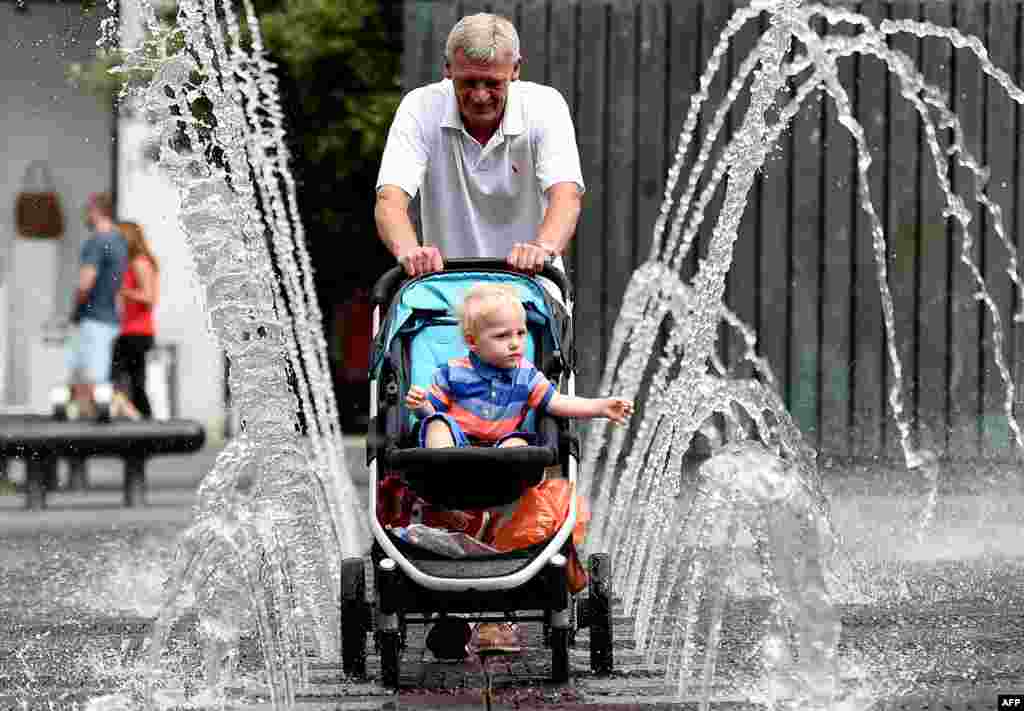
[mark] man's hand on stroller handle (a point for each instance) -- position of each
(530, 257)
(527, 257)
(416, 400)
(421, 260)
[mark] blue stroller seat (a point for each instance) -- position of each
(412, 585)
(422, 334)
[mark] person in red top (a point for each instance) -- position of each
(139, 292)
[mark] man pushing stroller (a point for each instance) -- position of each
(493, 159)
(495, 163)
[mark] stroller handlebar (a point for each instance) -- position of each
(393, 278)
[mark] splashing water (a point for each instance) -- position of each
(663, 347)
(277, 512)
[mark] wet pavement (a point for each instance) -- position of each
(935, 623)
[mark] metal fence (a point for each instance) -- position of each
(803, 274)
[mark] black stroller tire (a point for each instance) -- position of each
(559, 655)
(599, 613)
(390, 643)
(354, 615)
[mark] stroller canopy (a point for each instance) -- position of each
(423, 314)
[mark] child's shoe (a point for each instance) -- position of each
(496, 638)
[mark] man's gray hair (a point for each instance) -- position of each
(483, 37)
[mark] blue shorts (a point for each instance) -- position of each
(90, 351)
(460, 437)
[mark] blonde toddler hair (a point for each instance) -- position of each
(482, 300)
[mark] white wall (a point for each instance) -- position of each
(44, 118)
(148, 197)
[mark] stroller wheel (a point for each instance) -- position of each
(354, 616)
(390, 643)
(599, 614)
(559, 655)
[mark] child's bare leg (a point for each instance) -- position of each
(439, 434)
(514, 442)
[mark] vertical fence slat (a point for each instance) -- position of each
(590, 238)
(804, 266)
(650, 121)
(999, 114)
(839, 208)
(416, 33)
(964, 381)
(933, 260)
(533, 33)
(446, 15)
(715, 15)
(471, 7)
(869, 367)
(562, 46)
(509, 9)
(621, 176)
(685, 66)
(902, 225)
(773, 292)
(562, 41)
(741, 293)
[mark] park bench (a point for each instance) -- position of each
(41, 440)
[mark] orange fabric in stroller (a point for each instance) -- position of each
(540, 513)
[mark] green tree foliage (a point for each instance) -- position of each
(339, 74)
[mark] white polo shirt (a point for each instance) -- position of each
(478, 201)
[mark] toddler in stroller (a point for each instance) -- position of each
(479, 425)
(481, 400)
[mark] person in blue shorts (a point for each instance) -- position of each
(104, 258)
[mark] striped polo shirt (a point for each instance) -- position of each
(486, 401)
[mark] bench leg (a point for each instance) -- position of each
(78, 474)
(134, 481)
(37, 473)
(52, 480)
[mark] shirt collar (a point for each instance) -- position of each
(488, 371)
(511, 120)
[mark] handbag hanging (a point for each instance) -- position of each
(37, 212)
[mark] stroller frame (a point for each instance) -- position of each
(411, 586)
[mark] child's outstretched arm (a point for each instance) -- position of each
(616, 409)
(417, 401)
